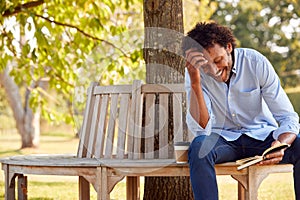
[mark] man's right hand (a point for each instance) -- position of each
(194, 61)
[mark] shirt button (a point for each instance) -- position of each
(233, 114)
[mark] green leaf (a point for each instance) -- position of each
(110, 67)
(26, 49)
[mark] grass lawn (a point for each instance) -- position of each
(275, 187)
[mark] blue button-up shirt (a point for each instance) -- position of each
(254, 103)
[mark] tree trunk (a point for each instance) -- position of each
(164, 64)
(27, 122)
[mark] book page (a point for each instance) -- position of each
(245, 160)
(247, 164)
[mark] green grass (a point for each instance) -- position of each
(275, 187)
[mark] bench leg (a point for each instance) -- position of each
(256, 176)
(98, 183)
(84, 189)
(132, 188)
(104, 178)
(241, 192)
(10, 190)
(242, 186)
(22, 187)
(10, 183)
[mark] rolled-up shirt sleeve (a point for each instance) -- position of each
(192, 124)
(288, 124)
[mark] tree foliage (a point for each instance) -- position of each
(195, 11)
(61, 41)
(270, 26)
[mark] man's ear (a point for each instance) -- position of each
(229, 48)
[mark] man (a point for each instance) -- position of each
(237, 108)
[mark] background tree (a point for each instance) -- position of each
(164, 66)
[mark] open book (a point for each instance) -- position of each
(246, 162)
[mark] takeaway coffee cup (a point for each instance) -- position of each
(181, 151)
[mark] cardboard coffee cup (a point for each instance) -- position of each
(181, 151)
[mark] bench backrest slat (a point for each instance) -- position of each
(133, 118)
(163, 125)
(137, 134)
(149, 125)
(84, 131)
(93, 128)
(123, 121)
(111, 125)
(101, 126)
(177, 117)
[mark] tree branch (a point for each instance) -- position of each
(21, 7)
(82, 32)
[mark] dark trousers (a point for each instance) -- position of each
(206, 151)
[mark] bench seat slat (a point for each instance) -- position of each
(51, 160)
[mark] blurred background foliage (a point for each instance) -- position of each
(68, 44)
(270, 26)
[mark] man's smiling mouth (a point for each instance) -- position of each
(219, 72)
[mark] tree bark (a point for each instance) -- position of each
(163, 21)
(27, 122)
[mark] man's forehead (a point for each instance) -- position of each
(215, 51)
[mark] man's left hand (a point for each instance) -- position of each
(273, 158)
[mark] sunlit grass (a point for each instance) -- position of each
(275, 187)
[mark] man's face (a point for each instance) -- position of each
(219, 62)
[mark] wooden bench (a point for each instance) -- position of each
(125, 134)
